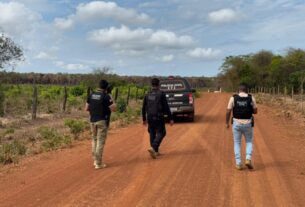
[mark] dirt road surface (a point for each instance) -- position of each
(196, 168)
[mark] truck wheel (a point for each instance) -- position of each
(191, 117)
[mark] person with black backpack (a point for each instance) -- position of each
(98, 104)
(243, 106)
(154, 108)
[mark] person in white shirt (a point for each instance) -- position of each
(243, 106)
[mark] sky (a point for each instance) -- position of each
(139, 37)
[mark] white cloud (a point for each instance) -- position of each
(99, 10)
(140, 39)
(204, 53)
(115, 35)
(149, 4)
(167, 58)
(170, 39)
(16, 18)
(71, 66)
(44, 56)
(63, 24)
(223, 16)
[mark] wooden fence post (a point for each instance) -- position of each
(278, 90)
(88, 92)
(65, 99)
(302, 98)
(34, 102)
(144, 92)
(116, 94)
(137, 90)
(128, 96)
(292, 93)
(2, 100)
(285, 93)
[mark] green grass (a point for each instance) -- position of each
(52, 139)
(76, 127)
(10, 152)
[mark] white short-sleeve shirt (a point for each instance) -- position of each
(231, 105)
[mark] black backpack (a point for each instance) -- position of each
(154, 103)
(243, 108)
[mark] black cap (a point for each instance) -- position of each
(103, 84)
(155, 82)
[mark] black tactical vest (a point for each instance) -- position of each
(243, 108)
(154, 104)
(97, 106)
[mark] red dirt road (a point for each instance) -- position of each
(196, 168)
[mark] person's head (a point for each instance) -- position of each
(103, 84)
(243, 88)
(155, 82)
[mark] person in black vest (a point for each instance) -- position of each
(154, 108)
(98, 104)
(243, 106)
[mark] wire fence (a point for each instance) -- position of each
(20, 100)
(288, 98)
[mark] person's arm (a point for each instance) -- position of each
(87, 107)
(144, 111)
(87, 104)
(228, 116)
(166, 108)
(109, 100)
(254, 105)
(229, 111)
(112, 105)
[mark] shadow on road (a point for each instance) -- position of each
(164, 156)
(280, 165)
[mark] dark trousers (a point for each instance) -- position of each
(157, 131)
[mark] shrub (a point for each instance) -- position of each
(9, 131)
(73, 101)
(121, 105)
(10, 152)
(77, 91)
(197, 94)
(76, 127)
(131, 115)
(52, 140)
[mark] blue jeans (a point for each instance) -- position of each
(238, 131)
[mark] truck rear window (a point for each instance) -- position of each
(174, 85)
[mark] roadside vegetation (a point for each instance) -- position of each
(20, 140)
(277, 80)
(265, 69)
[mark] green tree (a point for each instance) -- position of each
(9, 51)
(297, 79)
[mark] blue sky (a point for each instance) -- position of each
(138, 37)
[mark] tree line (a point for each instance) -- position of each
(90, 79)
(264, 69)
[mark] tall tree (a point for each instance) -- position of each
(10, 52)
